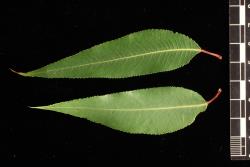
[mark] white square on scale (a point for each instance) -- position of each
(242, 52)
(242, 15)
(243, 90)
(243, 127)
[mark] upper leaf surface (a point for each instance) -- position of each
(140, 53)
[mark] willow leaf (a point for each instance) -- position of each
(140, 53)
(147, 111)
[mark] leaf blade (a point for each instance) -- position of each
(141, 111)
(140, 53)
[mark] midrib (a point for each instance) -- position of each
(127, 109)
(123, 58)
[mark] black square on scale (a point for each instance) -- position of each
(235, 90)
(234, 15)
(234, 2)
(235, 52)
(234, 71)
(235, 127)
(235, 108)
(234, 34)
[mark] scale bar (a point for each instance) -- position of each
(239, 30)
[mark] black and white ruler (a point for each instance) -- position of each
(239, 38)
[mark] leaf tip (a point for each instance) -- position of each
(19, 73)
(38, 107)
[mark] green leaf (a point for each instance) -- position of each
(140, 53)
(146, 111)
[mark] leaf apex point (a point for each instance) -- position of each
(19, 73)
(38, 107)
